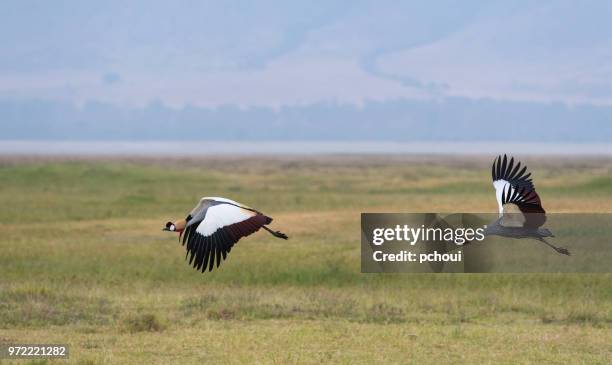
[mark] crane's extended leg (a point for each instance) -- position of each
(277, 234)
(560, 250)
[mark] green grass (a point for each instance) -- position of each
(83, 261)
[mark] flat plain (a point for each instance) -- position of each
(83, 261)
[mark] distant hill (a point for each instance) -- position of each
(450, 119)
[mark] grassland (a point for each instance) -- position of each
(83, 261)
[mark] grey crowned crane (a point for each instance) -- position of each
(520, 209)
(214, 226)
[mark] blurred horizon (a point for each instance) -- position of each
(271, 70)
(294, 149)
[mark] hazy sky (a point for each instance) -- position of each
(277, 53)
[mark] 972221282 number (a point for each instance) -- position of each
(29, 351)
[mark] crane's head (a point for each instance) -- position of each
(177, 226)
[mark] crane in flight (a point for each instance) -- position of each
(521, 214)
(213, 227)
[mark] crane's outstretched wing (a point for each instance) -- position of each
(509, 177)
(530, 213)
(213, 228)
(507, 171)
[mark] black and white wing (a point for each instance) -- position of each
(213, 228)
(508, 174)
(513, 186)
